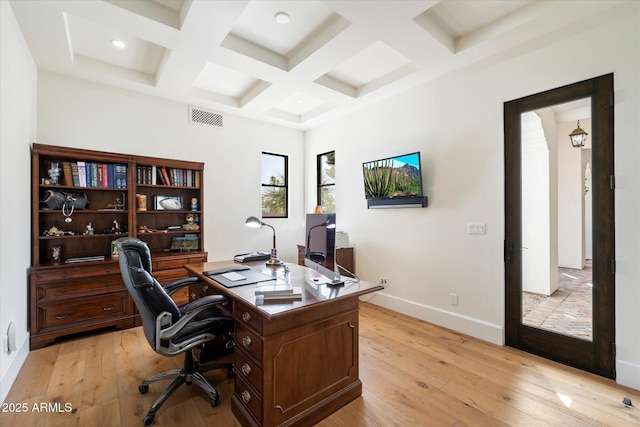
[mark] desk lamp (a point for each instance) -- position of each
(254, 222)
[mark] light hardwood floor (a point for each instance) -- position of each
(414, 374)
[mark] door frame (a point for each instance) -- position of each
(598, 355)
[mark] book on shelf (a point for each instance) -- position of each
(165, 176)
(74, 173)
(85, 259)
(67, 173)
(82, 174)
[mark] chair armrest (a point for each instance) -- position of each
(172, 287)
(209, 300)
(200, 305)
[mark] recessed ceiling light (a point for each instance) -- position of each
(300, 101)
(282, 17)
(118, 43)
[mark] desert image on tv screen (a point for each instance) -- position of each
(393, 177)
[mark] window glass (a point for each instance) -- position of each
(327, 181)
(274, 185)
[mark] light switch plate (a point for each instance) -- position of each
(476, 228)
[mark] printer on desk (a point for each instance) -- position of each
(252, 256)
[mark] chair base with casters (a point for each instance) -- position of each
(171, 330)
(191, 373)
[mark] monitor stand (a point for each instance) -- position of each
(315, 278)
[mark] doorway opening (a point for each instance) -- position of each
(556, 221)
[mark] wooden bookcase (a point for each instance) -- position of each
(71, 297)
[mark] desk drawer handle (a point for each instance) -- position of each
(63, 316)
(205, 288)
(246, 341)
(109, 308)
(246, 396)
(246, 317)
(193, 295)
(246, 370)
(109, 270)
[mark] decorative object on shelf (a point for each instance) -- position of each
(54, 200)
(142, 202)
(117, 205)
(56, 253)
(168, 203)
(184, 243)
(143, 229)
(89, 229)
(254, 222)
(191, 224)
(56, 231)
(115, 227)
(114, 249)
(54, 173)
(578, 136)
(194, 203)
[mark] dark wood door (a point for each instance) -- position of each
(596, 355)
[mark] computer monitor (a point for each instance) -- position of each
(320, 247)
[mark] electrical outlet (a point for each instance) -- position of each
(453, 299)
(384, 281)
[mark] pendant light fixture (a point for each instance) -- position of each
(578, 136)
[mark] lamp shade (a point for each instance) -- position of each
(578, 136)
(253, 222)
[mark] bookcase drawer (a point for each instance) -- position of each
(77, 288)
(166, 276)
(56, 315)
(177, 261)
(75, 272)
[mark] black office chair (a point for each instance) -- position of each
(170, 329)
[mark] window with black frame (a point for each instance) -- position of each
(327, 181)
(274, 185)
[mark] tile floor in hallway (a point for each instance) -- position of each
(568, 310)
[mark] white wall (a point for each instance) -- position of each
(81, 114)
(456, 122)
(17, 129)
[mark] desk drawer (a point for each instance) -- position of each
(248, 317)
(248, 341)
(84, 311)
(249, 398)
(248, 370)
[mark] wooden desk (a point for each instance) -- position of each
(295, 362)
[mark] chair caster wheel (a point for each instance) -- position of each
(215, 401)
(149, 420)
(143, 389)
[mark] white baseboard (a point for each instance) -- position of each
(463, 324)
(14, 364)
(628, 374)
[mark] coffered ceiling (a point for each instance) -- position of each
(332, 57)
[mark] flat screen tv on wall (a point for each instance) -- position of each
(394, 182)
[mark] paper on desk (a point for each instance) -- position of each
(232, 276)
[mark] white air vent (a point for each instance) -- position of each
(198, 115)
